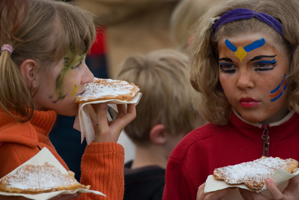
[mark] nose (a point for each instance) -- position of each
(87, 75)
(245, 80)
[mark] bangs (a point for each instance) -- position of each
(75, 30)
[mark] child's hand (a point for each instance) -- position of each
(291, 192)
(110, 131)
(210, 196)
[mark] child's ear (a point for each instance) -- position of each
(28, 70)
(158, 134)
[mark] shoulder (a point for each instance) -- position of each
(198, 140)
(15, 132)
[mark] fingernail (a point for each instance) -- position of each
(268, 181)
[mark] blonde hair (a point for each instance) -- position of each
(166, 93)
(185, 16)
(48, 30)
(212, 102)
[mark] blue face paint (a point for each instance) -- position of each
(278, 91)
(242, 52)
(267, 61)
(229, 45)
(256, 44)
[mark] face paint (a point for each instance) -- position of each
(67, 66)
(278, 91)
(241, 52)
(75, 89)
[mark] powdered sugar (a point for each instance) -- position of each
(254, 173)
(108, 88)
(38, 177)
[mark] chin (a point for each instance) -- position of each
(68, 113)
(253, 119)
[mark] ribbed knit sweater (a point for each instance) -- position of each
(212, 146)
(102, 163)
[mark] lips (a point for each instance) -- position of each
(248, 102)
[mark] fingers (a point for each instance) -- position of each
(124, 117)
(125, 114)
(103, 126)
(249, 195)
(272, 188)
(210, 196)
(110, 131)
(103, 129)
(217, 195)
(293, 188)
(200, 192)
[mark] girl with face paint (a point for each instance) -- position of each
(244, 66)
(42, 70)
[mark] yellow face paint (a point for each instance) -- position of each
(241, 53)
(75, 89)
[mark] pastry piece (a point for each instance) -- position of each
(103, 89)
(254, 173)
(33, 179)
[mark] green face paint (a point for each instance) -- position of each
(70, 62)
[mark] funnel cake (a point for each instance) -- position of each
(34, 179)
(254, 173)
(103, 89)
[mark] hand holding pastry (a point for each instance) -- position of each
(210, 196)
(107, 90)
(291, 192)
(109, 131)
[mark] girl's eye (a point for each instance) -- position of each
(265, 65)
(227, 67)
(73, 67)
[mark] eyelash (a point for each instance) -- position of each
(77, 65)
(264, 66)
(259, 66)
(228, 67)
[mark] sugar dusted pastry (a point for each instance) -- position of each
(102, 89)
(33, 179)
(254, 173)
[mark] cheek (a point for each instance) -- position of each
(278, 90)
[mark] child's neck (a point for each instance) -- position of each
(153, 155)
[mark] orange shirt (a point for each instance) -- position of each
(102, 163)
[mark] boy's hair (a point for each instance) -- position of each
(212, 102)
(185, 16)
(166, 93)
(48, 30)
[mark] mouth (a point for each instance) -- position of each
(248, 102)
(81, 93)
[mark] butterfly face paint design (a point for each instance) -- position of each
(241, 52)
(278, 91)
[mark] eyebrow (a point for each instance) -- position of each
(262, 56)
(226, 59)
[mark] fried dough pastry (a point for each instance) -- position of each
(254, 173)
(103, 89)
(34, 179)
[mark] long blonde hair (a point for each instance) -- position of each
(212, 102)
(46, 32)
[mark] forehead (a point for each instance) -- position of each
(243, 40)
